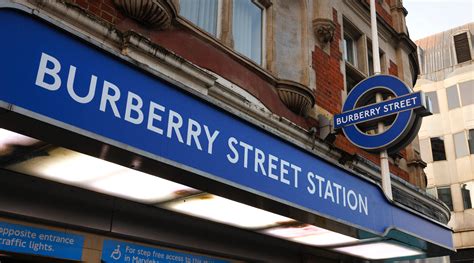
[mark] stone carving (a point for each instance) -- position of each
(153, 13)
(324, 30)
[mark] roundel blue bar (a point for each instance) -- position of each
(399, 128)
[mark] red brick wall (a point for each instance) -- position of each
(393, 69)
(104, 9)
(329, 79)
(382, 12)
(386, 16)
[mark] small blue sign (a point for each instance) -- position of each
(36, 241)
(96, 94)
(122, 252)
(409, 107)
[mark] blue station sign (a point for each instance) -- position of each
(42, 242)
(114, 251)
(405, 106)
(72, 84)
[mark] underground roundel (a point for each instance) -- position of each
(400, 111)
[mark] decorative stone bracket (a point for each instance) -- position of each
(297, 97)
(324, 30)
(153, 13)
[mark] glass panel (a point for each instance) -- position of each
(437, 148)
(349, 49)
(467, 191)
(453, 97)
(434, 101)
(444, 194)
(466, 89)
(203, 13)
(460, 144)
(470, 141)
(247, 29)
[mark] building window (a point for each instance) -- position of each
(425, 151)
(353, 77)
(470, 141)
(467, 192)
(466, 90)
(453, 97)
(444, 194)
(437, 149)
(247, 29)
(370, 59)
(462, 48)
(460, 145)
(349, 50)
(371, 62)
(244, 18)
(434, 101)
(202, 13)
(353, 45)
(353, 54)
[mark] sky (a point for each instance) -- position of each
(427, 17)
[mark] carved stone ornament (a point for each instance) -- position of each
(152, 13)
(324, 30)
(297, 97)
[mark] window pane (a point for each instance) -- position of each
(460, 144)
(437, 148)
(434, 101)
(247, 29)
(349, 49)
(203, 13)
(453, 97)
(467, 191)
(467, 92)
(444, 194)
(470, 141)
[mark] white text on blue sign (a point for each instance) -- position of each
(378, 110)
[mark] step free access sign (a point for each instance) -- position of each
(404, 108)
